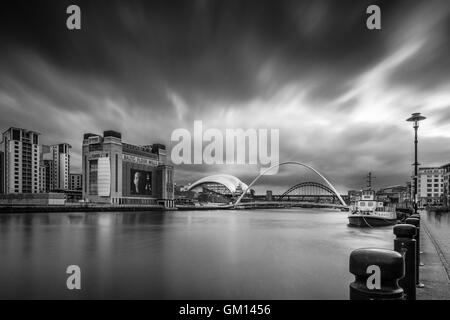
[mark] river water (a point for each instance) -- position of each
(254, 254)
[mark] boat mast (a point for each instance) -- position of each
(369, 178)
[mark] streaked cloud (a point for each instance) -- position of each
(338, 93)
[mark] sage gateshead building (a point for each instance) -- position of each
(120, 173)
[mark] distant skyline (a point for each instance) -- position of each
(338, 93)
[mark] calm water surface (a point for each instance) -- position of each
(266, 254)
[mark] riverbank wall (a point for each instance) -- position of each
(80, 208)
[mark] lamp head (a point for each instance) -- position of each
(416, 117)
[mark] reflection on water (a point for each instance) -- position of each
(438, 225)
(267, 254)
(438, 219)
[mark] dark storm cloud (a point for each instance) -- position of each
(309, 68)
(426, 69)
(198, 48)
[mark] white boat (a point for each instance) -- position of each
(368, 212)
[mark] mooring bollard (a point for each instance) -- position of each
(415, 216)
(406, 245)
(416, 222)
(376, 272)
(418, 217)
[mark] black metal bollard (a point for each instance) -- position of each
(391, 266)
(416, 222)
(418, 217)
(406, 245)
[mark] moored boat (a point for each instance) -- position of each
(368, 212)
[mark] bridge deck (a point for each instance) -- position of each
(285, 204)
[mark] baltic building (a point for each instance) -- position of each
(121, 173)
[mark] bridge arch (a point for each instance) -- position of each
(296, 163)
(316, 185)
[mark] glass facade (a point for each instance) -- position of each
(103, 177)
(93, 176)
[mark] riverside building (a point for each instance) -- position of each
(446, 184)
(75, 181)
(121, 173)
(57, 163)
(2, 161)
(20, 161)
(430, 185)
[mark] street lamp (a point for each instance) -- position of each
(415, 117)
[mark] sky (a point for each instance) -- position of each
(338, 93)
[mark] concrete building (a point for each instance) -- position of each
(446, 184)
(48, 165)
(430, 185)
(409, 196)
(397, 194)
(121, 173)
(58, 166)
(21, 161)
(43, 185)
(75, 181)
(354, 196)
(2, 163)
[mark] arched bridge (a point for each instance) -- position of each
(327, 188)
(308, 191)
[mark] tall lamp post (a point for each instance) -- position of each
(415, 117)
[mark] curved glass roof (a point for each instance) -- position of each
(229, 181)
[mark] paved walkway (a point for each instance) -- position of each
(435, 245)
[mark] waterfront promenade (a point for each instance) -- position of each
(435, 274)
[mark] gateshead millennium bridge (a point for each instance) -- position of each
(234, 191)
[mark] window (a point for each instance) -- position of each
(16, 134)
(93, 169)
(116, 169)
